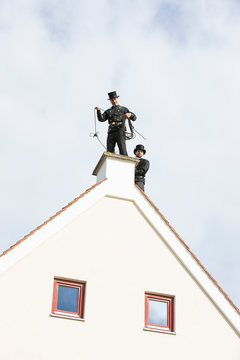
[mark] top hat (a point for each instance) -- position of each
(112, 95)
(139, 147)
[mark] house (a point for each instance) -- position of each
(107, 277)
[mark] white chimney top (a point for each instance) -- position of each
(118, 169)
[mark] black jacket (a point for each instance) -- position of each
(141, 169)
(116, 117)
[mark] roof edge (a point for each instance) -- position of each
(50, 219)
(191, 253)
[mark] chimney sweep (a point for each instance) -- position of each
(142, 167)
(116, 117)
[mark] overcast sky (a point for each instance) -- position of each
(174, 63)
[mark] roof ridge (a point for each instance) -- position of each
(190, 251)
(51, 218)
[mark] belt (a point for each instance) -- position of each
(116, 123)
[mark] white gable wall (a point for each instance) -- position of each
(114, 249)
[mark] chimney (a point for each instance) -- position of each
(118, 169)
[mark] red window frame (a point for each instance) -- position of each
(81, 296)
(161, 298)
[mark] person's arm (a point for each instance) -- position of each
(130, 115)
(142, 168)
(101, 117)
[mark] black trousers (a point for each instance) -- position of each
(117, 137)
(140, 184)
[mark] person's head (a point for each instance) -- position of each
(114, 101)
(139, 151)
(113, 97)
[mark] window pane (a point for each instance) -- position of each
(158, 313)
(67, 298)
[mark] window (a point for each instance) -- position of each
(159, 312)
(68, 298)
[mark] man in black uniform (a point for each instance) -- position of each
(142, 167)
(116, 117)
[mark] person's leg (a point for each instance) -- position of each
(121, 143)
(111, 142)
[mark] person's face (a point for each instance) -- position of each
(114, 101)
(139, 153)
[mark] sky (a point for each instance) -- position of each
(175, 64)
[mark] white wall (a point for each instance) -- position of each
(116, 251)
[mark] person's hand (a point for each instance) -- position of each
(128, 115)
(97, 108)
